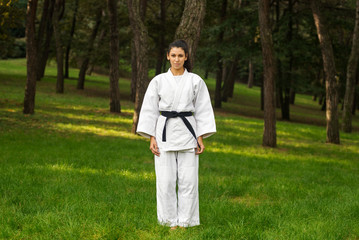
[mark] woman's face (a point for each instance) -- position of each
(177, 57)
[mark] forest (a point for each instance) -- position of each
(234, 41)
(284, 84)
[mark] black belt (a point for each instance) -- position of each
(183, 116)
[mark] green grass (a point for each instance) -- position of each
(74, 171)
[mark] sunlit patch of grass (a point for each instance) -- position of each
(95, 130)
(139, 175)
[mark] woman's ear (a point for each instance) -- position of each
(168, 57)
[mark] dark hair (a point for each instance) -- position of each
(181, 44)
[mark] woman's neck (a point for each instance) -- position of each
(177, 72)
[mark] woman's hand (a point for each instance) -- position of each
(200, 142)
(153, 146)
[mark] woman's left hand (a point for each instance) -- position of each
(200, 142)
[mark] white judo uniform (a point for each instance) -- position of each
(177, 162)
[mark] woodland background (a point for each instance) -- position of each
(283, 79)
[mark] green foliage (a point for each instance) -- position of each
(74, 171)
(12, 25)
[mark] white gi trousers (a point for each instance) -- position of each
(177, 208)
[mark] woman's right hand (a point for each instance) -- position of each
(153, 146)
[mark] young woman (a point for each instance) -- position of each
(176, 115)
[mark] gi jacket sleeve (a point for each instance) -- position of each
(206, 125)
(149, 111)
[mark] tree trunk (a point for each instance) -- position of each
(351, 76)
(191, 24)
(44, 44)
(72, 32)
(140, 36)
(86, 61)
(59, 52)
(287, 82)
(225, 78)
(161, 41)
(292, 94)
(355, 103)
(250, 74)
(229, 79)
(331, 84)
(133, 71)
(218, 90)
(262, 94)
(232, 78)
(41, 30)
(220, 63)
(115, 105)
(142, 12)
(269, 135)
(206, 73)
(31, 58)
(356, 96)
(290, 89)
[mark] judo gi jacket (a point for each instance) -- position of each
(185, 93)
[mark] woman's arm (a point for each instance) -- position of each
(153, 146)
(201, 148)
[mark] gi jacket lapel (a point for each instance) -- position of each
(178, 88)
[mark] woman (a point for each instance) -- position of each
(176, 115)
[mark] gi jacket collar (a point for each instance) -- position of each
(178, 86)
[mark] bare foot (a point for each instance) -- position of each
(174, 228)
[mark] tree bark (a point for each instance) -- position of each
(161, 41)
(262, 94)
(31, 58)
(44, 44)
(142, 13)
(191, 24)
(59, 52)
(287, 82)
(86, 60)
(331, 84)
(133, 71)
(72, 32)
(229, 80)
(351, 76)
(269, 135)
(356, 96)
(250, 74)
(42, 27)
(115, 105)
(140, 36)
(220, 63)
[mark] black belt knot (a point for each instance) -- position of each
(182, 115)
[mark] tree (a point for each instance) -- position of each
(352, 69)
(142, 9)
(115, 105)
(72, 32)
(331, 84)
(31, 58)
(219, 74)
(140, 36)
(57, 15)
(191, 24)
(44, 37)
(161, 38)
(269, 69)
(250, 74)
(86, 60)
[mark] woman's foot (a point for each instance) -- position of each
(174, 228)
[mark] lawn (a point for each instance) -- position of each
(74, 171)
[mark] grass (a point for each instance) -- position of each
(74, 171)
